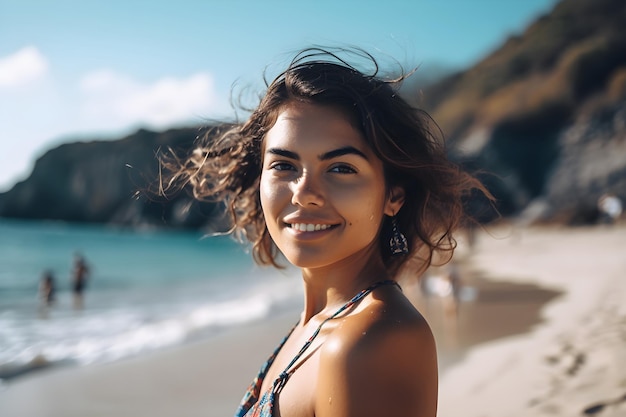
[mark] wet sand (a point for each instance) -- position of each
(500, 309)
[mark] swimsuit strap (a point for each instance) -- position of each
(251, 396)
(284, 376)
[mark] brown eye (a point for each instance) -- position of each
(282, 166)
(343, 169)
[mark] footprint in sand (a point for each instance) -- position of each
(569, 359)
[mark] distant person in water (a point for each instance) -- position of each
(47, 289)
(47, 295)
(80, 274)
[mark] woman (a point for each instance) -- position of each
(339, 174)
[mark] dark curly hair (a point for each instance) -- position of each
(226, 166)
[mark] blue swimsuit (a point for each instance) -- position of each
(251, 405)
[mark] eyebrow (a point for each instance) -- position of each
(346, 150)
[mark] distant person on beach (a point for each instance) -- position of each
(47, 289)
(340, 175)
(80, 273)
(610, 208)
(445, 284)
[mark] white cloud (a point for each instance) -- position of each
(118, 100)
(104, 104)
(23, 67)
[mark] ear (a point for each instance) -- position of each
(395, 200)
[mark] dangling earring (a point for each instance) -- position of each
(397, 243)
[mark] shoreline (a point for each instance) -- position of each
(531, 288)
(452, 343)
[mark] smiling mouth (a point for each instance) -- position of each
(310, 227)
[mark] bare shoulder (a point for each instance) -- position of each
(387, 322)
(380, 360)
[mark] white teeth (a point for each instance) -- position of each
(303, 227)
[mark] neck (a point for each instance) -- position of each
(328, 288)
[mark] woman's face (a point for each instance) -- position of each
(322, 188)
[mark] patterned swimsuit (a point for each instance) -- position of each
(251, 405)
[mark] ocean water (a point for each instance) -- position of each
(146, 290)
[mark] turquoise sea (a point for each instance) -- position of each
(147, 290)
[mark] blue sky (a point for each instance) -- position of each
(73, 69)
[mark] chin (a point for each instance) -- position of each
(307, 260)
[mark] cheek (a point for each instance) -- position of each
(369, 212)
(266, 195)
(270, 196)
(375, 215)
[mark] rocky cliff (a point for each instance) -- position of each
(108, 182)
(546, 112)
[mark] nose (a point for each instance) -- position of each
(306, 191)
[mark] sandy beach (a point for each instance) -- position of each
(572, 363)
(544, 334)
